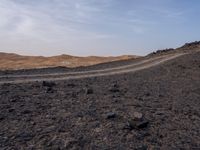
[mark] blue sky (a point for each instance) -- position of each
(96, 27)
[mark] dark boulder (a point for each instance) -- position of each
(111, 115)
(89, 91)
(48, 83)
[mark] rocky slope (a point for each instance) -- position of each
(154, 108)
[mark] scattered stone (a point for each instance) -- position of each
(159, 113)
(2, 118)
(25, 136)
(11, 110)
(32, 123)
(137, 116)
(142, 124)
(31, 147)
(147, 94)
(61, 129)
(49, 129)
(70, 142)
(4, 139)
(115, 85)
(111, 115)
(13, 100)
(89, 91)
(137, 122)
(141, 147)
(181, 67)
(74, 94)
(140, 98)
(26, 111)
(71, 85)
(142, 135)
(49, 90)
(48, 83)
(114, 89)
(161, 51)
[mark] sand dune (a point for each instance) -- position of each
(15, 62)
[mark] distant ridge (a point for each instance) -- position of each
(12, 61)
(187, 46)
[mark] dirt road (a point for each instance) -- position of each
(143, 64)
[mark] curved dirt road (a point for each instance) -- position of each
(143, 64)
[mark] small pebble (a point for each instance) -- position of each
(89, 91)
(110, 115)
(137, 115)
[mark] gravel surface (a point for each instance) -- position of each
(156, 108)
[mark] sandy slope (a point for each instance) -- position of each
(14, 61)
(143, 64)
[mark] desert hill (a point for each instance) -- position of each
(9, 61)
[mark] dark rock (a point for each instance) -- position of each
(11, 110)
(2, 118)
(130, 125)
(49, 90)
(196, 43)
(114, 89)
(181, 67)
(141, 136)
(73, 94)
(32, 123)
(115, 85)
(142, 147)
(140, 98)
(136, 124)
(89, 91)
(69, 143)
(71, 85)
(49, 129)
(48, 83)
(110, 115)
(26, 111)
(161, 51)
(24, 136)
(91, 112)
(137, 116)
(147, 94)
(142, 124)
(3, 139)
(13, 100)
(61, 129)
(159, 113)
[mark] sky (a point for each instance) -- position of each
(96, 27)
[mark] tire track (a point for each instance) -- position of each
(144, 64)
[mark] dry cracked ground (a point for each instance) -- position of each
(153, 108)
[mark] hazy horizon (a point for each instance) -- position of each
(93, 27)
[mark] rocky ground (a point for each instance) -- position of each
(156, 108)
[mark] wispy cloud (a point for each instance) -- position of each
(18, 17)
(87, 25)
